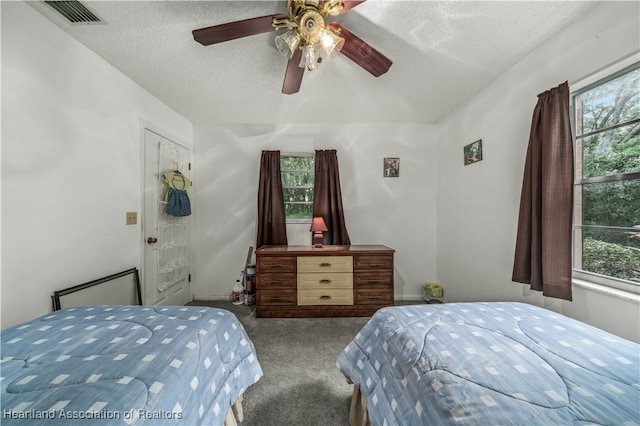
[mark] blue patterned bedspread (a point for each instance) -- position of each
(148, 365)
(492, 364)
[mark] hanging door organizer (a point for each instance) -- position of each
(174, 210)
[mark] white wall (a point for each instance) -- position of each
(478, 204)
(397, 212)
(71, 166)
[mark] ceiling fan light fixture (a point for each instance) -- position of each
(288, 42)
(310, 58)
(331, 43)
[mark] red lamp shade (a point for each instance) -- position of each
(318, 227)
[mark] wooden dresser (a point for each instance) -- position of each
(304, 281)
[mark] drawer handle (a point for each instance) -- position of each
(275, 298)
(325, 281)
(374, 281)
(376, 265)
(275, 265)
(326, 297)
(325, 264)
(275, 282)
(374, 296)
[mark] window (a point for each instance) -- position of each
(297, 184)
(606, 120)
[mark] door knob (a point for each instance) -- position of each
(152, 240)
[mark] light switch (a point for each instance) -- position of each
(132, 218)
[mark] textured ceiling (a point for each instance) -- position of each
(442, 51)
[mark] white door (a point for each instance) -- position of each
(166, 270)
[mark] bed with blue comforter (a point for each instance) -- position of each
(142, 365)
(491, 364)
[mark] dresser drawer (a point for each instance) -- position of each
(322, 280)
(334, 296)
(275, 281)
(373, 262)
(277, 264)
(276, 297)
(374, 297)
(325, 264)
(373, 279)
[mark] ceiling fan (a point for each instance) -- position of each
(307, 39)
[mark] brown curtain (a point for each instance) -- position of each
(327, 197)
(272, 224)
(543, 243)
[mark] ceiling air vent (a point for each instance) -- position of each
(75, 12)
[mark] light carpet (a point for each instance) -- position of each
(301, 383)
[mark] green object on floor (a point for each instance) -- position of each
(433, 293)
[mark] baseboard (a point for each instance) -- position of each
(409, 297)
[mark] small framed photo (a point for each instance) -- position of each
(391, 167)
(473, 152)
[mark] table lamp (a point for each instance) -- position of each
(318, 227)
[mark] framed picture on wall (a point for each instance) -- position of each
(391, 167)
(473, 152)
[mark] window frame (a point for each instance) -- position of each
(298, 154)
(597, 79)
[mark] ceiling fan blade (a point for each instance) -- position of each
(233, 30)
(293, 77)
(361, 53)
